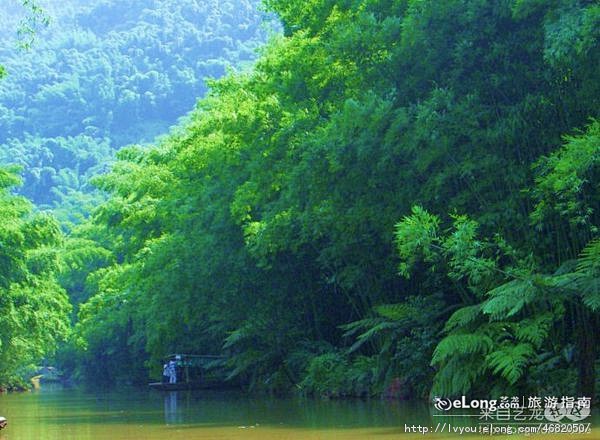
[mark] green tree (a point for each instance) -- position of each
(34, 306)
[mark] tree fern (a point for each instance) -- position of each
(510, 361)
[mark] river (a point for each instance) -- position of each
(68, 414)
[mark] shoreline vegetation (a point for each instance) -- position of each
(398, 198)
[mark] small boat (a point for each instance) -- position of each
(195, 372)
(3, 422)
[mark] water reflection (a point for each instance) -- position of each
(172, 416)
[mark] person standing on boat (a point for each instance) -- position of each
(172, 372)
(165, 374)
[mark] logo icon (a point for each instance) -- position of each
(442, 404)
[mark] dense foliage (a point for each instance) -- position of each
(401, 197)
(34, 306)
(104, 74)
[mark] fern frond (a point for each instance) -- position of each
(589, 261)
(244, 362)
(455, 345)
(371, 333)
(509, 299)
(534, 331)
(566, 268)
(391, 317)
(562, 282)
(588, 275)
(510, 361)
(591, 294)
(458, 376)
(355, 327)
(463, 317)
(236, 336)
(395, 312)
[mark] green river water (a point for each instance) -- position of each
(67, 414)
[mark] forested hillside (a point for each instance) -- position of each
(399, 191)
(104, 74)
